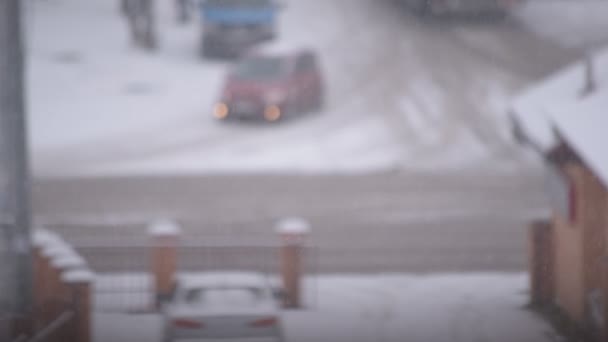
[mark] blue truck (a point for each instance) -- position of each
(231, 26)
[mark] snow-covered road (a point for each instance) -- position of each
(403, 93)
(360, 223)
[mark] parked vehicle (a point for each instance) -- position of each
(229, 27)
(439, 7)
(222, 305)
(272, 87)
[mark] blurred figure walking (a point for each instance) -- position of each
(182, 9)
(141, 19)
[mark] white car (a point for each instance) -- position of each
(222, 305)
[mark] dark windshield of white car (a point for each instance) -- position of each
(260, 68)
(238, 3)
(224, 296)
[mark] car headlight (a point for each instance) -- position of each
(275, 97)
(272, 113)
(220, 111)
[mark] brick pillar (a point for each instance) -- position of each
(63, 264)
(52, 289)
(64, 299)
(165, 238)
(41, 239)
(79, 283)
(541, 262)
(292, 232)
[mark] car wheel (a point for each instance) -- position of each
(292, 108)
(203, 52)
(281, 335)
(167, 338)
(319, 102)
(422, 7)
(499, 15)
(206, 48)
(289, 111)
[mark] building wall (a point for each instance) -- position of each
(569, 283)
(595, 224)
(581, 244)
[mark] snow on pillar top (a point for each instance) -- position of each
(78, 276)
(56, 249)
(293, 226)
(66, 262)
(164, 228)
(42, 237)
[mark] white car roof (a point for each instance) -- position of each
(222, 279)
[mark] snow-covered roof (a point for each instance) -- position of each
(68, 261)
(57, 248)
(583, 124)
(532, 110)
(42, 237)
(78, 276)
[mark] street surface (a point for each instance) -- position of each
(360, 223)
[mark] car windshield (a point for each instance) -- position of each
(224, 296)
(260, 68)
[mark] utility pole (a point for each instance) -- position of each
(14, 171)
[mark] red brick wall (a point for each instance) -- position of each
(580, 245)
(594, 221)
(541, 261)
(569, 286)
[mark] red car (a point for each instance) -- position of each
(271, 88)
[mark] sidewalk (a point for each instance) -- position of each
(448, 307)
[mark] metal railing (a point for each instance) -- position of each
(53, 328)
(51, 331)
(124, 282)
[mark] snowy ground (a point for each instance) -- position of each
(402, 93)
(392, 307)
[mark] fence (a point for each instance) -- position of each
(133, 272)
(125, 280)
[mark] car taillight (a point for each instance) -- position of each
(187, 324)
(264, 322)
